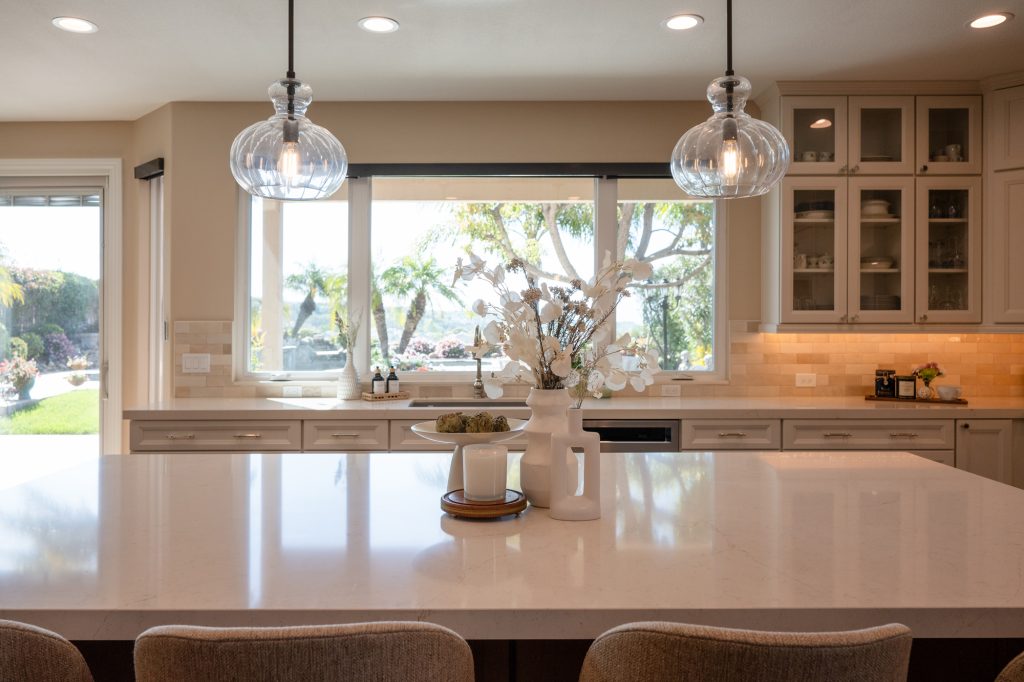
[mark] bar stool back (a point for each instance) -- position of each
(28, 652)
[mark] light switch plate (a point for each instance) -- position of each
(195, 363)
(806, 380)
(671, 390)
(293, 391)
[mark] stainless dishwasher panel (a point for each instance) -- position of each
(636, 435)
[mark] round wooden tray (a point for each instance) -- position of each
(456, 504)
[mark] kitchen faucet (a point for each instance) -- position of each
(478, 383)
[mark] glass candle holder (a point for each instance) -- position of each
(484, 472)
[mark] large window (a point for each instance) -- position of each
(421, 321)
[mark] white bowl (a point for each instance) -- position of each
(874, 207)
(947, 392)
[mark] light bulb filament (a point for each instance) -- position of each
(289, 161)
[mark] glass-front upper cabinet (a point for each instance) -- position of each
(813, 273)
(881, 131)
(880, 258)
(949, 135)
(815, 128)
(948, 283)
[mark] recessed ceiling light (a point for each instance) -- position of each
(822, 123)
(378, 24)
(75, 25)
(990, 20)
(681, 22)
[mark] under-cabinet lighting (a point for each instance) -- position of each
(821, 123)
(378, 24)
(681, 22)
(75, 25)
(990, 20)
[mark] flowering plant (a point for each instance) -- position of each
(77, 365)
(928, 372)
(18, 372)
(549, 333)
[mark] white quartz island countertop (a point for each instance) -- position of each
(102, 548)
(613, 408)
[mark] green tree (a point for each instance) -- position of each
(313, 281)
(415, 280)
(10, 291)
(380, 318)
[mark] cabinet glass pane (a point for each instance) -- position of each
(881, 134)
(949, 135)
(814, 135)
(814, 238)
(947, 249)
(881, 257)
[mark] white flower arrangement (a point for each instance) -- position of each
(548, 333)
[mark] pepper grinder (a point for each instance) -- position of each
(478, 383)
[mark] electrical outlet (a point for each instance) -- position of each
(293, 391)
(195, 363)
(671, 391)
(806, 380)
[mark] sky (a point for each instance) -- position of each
(63, 238)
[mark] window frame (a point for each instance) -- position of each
(360, 191)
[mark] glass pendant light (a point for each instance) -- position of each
(731, 154)
(288, 156)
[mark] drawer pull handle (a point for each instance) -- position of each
(909, 434)
(731, 434)
(344, 435)
(248, 435)
(186, 436)
(838, 434)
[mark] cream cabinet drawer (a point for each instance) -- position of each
(245, 436)
(731, 434)
(344, 434)
(868, 434)
(402, 438)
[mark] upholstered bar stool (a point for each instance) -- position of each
(663, 652)
(1014, 671)
(31, 653)
(382, 652)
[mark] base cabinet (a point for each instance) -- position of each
(985, 447)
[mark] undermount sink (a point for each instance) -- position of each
(468, 402)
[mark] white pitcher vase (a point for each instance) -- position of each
(348, 381)
(549, 416)
(566, 504)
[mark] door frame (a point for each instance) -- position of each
(111, 279)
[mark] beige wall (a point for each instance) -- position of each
(204, 207)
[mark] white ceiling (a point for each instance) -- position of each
(149, 52)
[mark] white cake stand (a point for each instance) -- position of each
(429, 431)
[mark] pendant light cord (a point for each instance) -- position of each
(729, 84)
(728, 38)
(291, 57)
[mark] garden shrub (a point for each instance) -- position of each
(35, 348)
(419, 346)
(17, 348)
(48, 328)
(451, 348)
(59, 349)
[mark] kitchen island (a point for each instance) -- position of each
(102, 548)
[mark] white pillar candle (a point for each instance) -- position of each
(484, 472)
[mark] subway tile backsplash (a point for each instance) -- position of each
(761, 365)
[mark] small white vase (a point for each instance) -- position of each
(566, 505)
(348, 382)
(549, 417)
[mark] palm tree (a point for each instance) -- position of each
(417, 279)
(10, 291)
(379, 315)
(313, 281)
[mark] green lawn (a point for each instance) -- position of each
(75, 412)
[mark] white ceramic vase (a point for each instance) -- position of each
(549, 417)
(566, 504)
(348, 382)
